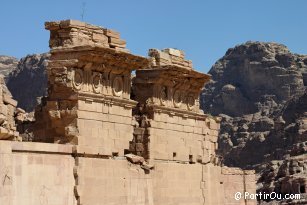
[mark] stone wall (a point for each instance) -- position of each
(237, 180)
(41, 173)
(36, 173)
(92, 131)
(109, 181)
(167, 93)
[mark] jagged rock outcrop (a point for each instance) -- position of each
(8, 111)
(28, 81)
(259, 90)
(7, 64)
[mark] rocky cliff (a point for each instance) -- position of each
(259, 90)
(250, 86)
(7, 64)
(286, 171)
(28, 81)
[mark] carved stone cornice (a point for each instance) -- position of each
(91, 69)
(173, 75)
(106, 57)
(171, 86)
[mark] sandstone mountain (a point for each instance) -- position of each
(259, 90)
(7, 64)
(253, 75)
(28, 81)
(250, 86)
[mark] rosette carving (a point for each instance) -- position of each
(96, 82)
(163, 95)
(177, 99)
(77, 79)
(118, 86)
(190, 102)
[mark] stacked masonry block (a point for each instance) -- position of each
(71, 32)
(183, 139)
(238, 180)
(107, 129)
(178, 184)
(34, 173)
(103, 181)
(140, 143)
(169, 56)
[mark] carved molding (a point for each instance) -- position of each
(106, 83)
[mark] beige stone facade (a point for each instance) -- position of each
(89, 126)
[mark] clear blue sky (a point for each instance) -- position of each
(203, 29)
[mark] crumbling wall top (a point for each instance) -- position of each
(167, 57)
(70, 33)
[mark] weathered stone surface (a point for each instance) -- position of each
(287, 173)
(28, 81)
(254, 77)
(259, 72)
(134, 159)
(259, 91)
(75, 33)
(7, 64)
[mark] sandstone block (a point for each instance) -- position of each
(112, 33)
(117, 42)
(134, 158)
(70, 23)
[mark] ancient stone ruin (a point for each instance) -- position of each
(103, 137)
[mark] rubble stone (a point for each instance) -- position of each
(7, 113)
